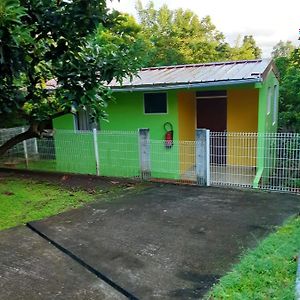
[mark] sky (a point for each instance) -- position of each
(268, 21)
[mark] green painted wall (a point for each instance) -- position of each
(127, 113)
(65, 122)
(266, 146)
(119, 153)
(75, 152)
(265, 122)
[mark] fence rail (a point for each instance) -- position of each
(266, 161)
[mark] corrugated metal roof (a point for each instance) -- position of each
(218, 72)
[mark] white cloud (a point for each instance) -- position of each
(268, 21)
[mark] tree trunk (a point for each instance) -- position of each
(32, 132)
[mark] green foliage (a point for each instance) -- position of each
(267, 272)
(78, 43)
(15, 37)
(283, 49)
(180, 37)
(289, 98)
(245, 50)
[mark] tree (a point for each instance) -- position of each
(179, 36)
(289, 100)
(283, 49)
(78, 43)
(250, 43)
(245, 50)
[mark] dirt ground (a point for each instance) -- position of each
(70, 181)
(161, 242)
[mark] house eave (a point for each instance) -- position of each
(176, 86)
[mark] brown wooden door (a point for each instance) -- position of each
(212, 114)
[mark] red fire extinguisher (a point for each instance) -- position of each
(169, 135)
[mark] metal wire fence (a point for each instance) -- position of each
(269, 161)
(75, 152)
(18, 154)
(266, 161)
(176, 163)
(281, 162)
(233, 158)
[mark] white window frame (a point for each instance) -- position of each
(269, 96)
(275, 104)
(82, 117)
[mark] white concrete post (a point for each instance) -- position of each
(202, 157)
(144, 142)
(96, 151)
(35, 146)
(25, 149)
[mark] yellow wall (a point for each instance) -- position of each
(186, 115)
(187, 127)
(242, 110)
(242, 116)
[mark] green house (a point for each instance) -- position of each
(230, 97)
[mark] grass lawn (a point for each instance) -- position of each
(41, 165)
(268, 271)
(23, 200)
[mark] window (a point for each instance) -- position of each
(84, 121)
(275, 103)
(269, 100)
(155, 103)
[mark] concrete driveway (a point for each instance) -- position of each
(163, 242)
